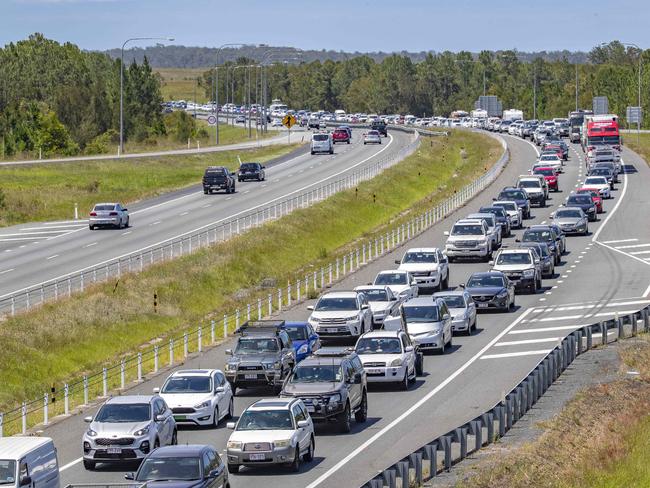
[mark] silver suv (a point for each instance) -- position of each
(127, 428)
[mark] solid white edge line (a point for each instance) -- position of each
(417, 405)
(516, 354)
(198, 228)
(544, 329)
(527, 341)
(70, 464)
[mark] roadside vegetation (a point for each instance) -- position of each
(42, 192)
(62, 340)
(642, 147)
(181, 84)
(601, 439)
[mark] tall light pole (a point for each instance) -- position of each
(170, 39)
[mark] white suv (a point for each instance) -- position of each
(427, 265)
(468, 238)
(520, 267)
(341, 314)
(533, 188)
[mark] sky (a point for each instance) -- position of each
(351, 25)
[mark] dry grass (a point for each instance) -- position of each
(642, 147)
(600, 439)
(181, 84)
(62, 340)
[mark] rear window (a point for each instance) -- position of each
(215, 171)
(248, 166)
(104, 207)
(320, 137)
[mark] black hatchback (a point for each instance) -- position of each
(585, 202)
(251, 171)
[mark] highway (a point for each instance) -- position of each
(35, 253)
(602, 273)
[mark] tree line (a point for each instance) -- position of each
(442, 83)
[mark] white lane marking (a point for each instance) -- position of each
(11, 239)
(552, 319)
(65, 222)
(620, 241)
(632, 246)
(516, 354)
(573, 265)
(71, 226)
(53, 256)
(569, 270)
(24, 245)
(554, 287)
(210, 224)
(289, 175)
(594, 238)
(91, 244)
(543, 329)
(606, 314)
(527, 341)
(639, 252)
(415, 406)
(32, 233)
(70, 464)
(560, 281)
(647, 291)
(247, 191)
(542, 299)
(543, 222)
(548, 293)
(8, 250)
(208, 205)
(157, 222)
(264, 185)
(183, 213)
(7, 271)
(228, 198)
(126, 233)
(276, 180)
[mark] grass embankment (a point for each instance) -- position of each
(642, 148)
(50, 191)
(181, 84)
(62, 340)
(600, 439)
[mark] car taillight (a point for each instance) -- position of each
(113, 213)
(93, 214)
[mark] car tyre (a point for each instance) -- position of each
(404, 383)
(215, 417)
(174, 441)
(445, 283)
(231, 409)
(91, 227)
(233, 468)
(419, 364)
(128, 223)
(233, 387)
(309, 455)
(361, 415)
(344, 419)
(89, 465)
(295, 465)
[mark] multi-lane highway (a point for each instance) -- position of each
(36, 253)
(601, 274)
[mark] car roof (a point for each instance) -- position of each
(383, 333)
(419, 301)
(129, 399)
(449, 293)
(371, 287)
(18, 446)
(470, 221)
(392, 271)
(539, 227)
(513, 251)
(296, 324)
(272, 403)
(422, 249)
(487, 273)
(194, 372)
(106, 203)
(503, 201)
(181, 450)
(340, 294)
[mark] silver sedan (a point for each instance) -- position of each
(372, 137)
(108, 215)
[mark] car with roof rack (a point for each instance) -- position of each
(468, 238)
(263, 355)
(333, 385)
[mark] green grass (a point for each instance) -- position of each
(180, 84)
(49, 191)
(642, 147)
(62, 340)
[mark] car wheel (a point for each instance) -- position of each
(444, 347)
(312, 153)
(512, 304)
(451, 340)
(419, 364)
(404, 383)
(309, 455)
(539, 284)
(174, 438)
(446, 282)
(215, 417)
(295, 465)
(231, 410)
(233, 468)
(128, 219)
(91, 227)
(156, 444)
(362, 414)
(233, 387)
(89, 465)
(344, 419)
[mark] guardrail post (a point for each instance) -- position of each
(363, 254)
(501, 411)
(603, 331)
(23, 415)
(270, 304)
(237, 319)
(288, 294)
(345, 262)
(619, 325)
(445, 443)
(212, 331)
(402, 469)
(199, 337)
(66, 400)
(389, 476)
(139, 366)
(430, 455)
(171, 351)
(259, 309)
(297, 290)
(104, 382)
(460, 435)
(185, 344)
(13, 306)
(633, 320)
(85, 383)
(316, 279)
(510, 410)
(337, 269)
(415, 463)
(488, 421)
(122, 374)
(357, 256)
(46, 403)
(476, 429)
(646, 320)
(155, 358)
(590, 338)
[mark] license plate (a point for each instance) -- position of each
(180, 417)
(482, 305)
(114, 450)
(256, 457)
(331, 330)
(250, 376)
(310, 408)
(374, 371)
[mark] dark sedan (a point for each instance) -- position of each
(189, 466)
(491, 290)
(583, 202)
(544, 233)
(251, 171)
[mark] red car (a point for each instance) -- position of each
(595, 197)
(340, 135)
(550, 175)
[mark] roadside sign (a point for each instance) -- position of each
(634, 115)
(600, 105)
(212, 120)
(288, 121)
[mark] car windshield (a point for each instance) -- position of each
(529, 184)
(580, 199)
(316, 373)
(379, 345)
(373, 133)
(187, 384)
(596, 181)
(601, 171)
(467, 230)
(420, 257)
(453, 301)
(331, 304)
(124, 412)
(537, 235)
(256, 345)
(169, 468)
(7, 472)
(514, 258)
(568, 214)
(376, 295)
(265, 420)
(485, 281)
(513, 194)
(104, 207)
(391, 279)
(545, 172)
(297, 333)
(548, 157)
(421, 313)
(321, 137)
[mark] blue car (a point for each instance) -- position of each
(304, 337)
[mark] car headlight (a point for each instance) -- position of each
(502, 294)
(336, 398)
(433, 273)
(396, 362)
(231, 367)
(592, 209)
(142, 432)
(91, 433)
(314, 319)
(529, 272)
(482, 240)
(282, 443)
(234, 445)
(303, 349)
(204, 404)
(351, 318)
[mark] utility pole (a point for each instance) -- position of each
(576, 87)
(534, 93)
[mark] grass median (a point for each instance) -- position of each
(62, 340)
(43, 192)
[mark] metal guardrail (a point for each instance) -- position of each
(66, 285)
(425, 463)
(174, 350)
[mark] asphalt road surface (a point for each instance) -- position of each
(602, 273)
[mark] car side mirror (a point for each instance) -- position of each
(88, 419)
(409, 349)
(25, 481)
(263, 167)
(491, 263)
(303, 424)
(446, 233)
(397, 261)
(125, 209)
(393, 299)
(364, 306)
(156, 391)
(517, 240)
(310, 307)
(219, 389)
(129, 476)
(159, 418)
(462, 285)
(230, 425)
(446, 316)
(229, 352)
(357, 378)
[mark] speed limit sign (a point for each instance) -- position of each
(212, 120)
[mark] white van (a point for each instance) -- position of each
(28, 461)
(322, 142)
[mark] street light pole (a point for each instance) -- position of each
(170, 39)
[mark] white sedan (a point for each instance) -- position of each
(401, 283)
(599, 183)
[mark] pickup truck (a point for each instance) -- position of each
(218, 178)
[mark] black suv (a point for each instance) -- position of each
(379, 125)
(263, 356)
(251, 171)
(501, 217)
(333, 385)
(218, 178)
